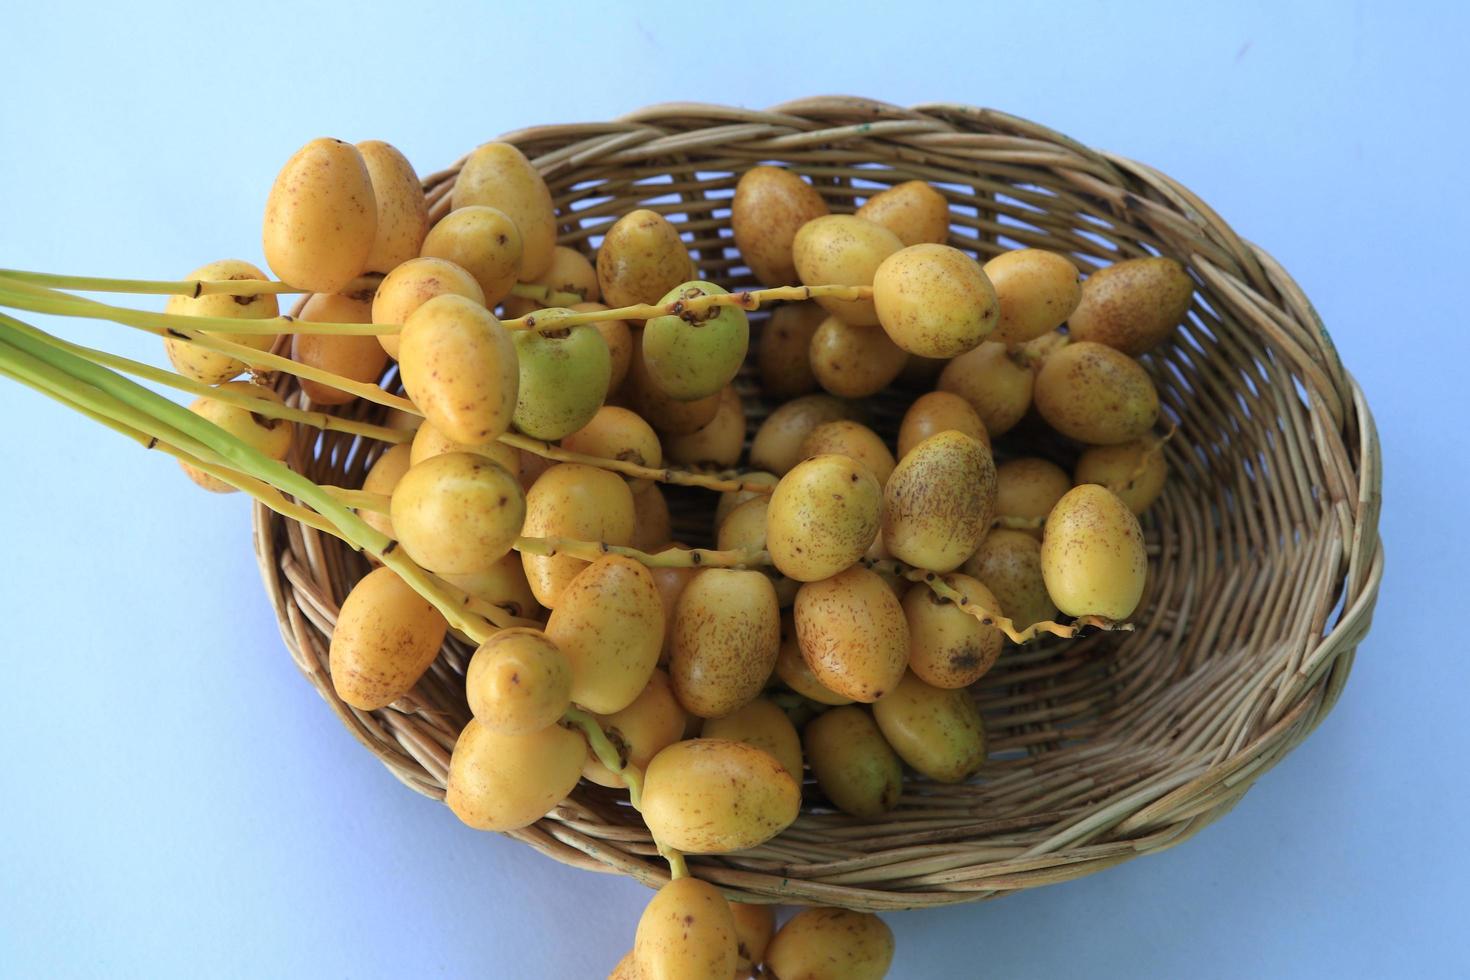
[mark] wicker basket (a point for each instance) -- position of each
(1267, 559)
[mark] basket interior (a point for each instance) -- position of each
(1100, 747)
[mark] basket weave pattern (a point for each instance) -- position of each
(1265, 553)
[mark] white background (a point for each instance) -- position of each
(177, 800)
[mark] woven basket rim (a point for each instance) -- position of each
(979, 857)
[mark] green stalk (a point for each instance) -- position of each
(613, 760)
(360, 500)
(274, 362)
(256, 403)
(175, 287)
(239, 456)
(746, 299)
(24, 296)
(659, 474)
(990, 617)
(101, 408)
(83, 380)
(23, 358)
(61, 304)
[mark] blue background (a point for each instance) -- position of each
(177, 800)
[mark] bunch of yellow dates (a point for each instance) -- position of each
(859, 580)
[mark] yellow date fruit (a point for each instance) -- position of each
(482, 241)
(1037, 289)
(356, 358)
(754, 927)
(913, 210)
(570, 272)
(1095, 394)
(641, 258)
(711, 796)
(854, 361)
(726, 634)
(654, 721)
(854, 767)
(321, 218)
(671, 583)
(503, 585)
(518, 682)
(843, 250)
(213, 367)
(948, 647)
(934, 300)
(1008, 563)
(777, 443)
(583, 503)
(609, 623)
(793, 671)
(770, 206)
(1133, 305)
(1029, 488)
(936, 412)
(762, 724)
(429, 441)
(386, 636)
(939, 502)
(744, 529)
(936, 731)
(460, 367)
(457, 513)
(823, 515)
(532, 466)
(687, 932)
(382, 477)
(1135, 471)
(997, 385)
(617, 433)
(652, 522)
(831, 944)
(853, 440)
(783, 352)
(506, 782)
(718, 442)
(853, 634)
(1092, 554)
(731, 499)
(413, 284)
(498, 175)
(403, 212)
(269, 436)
